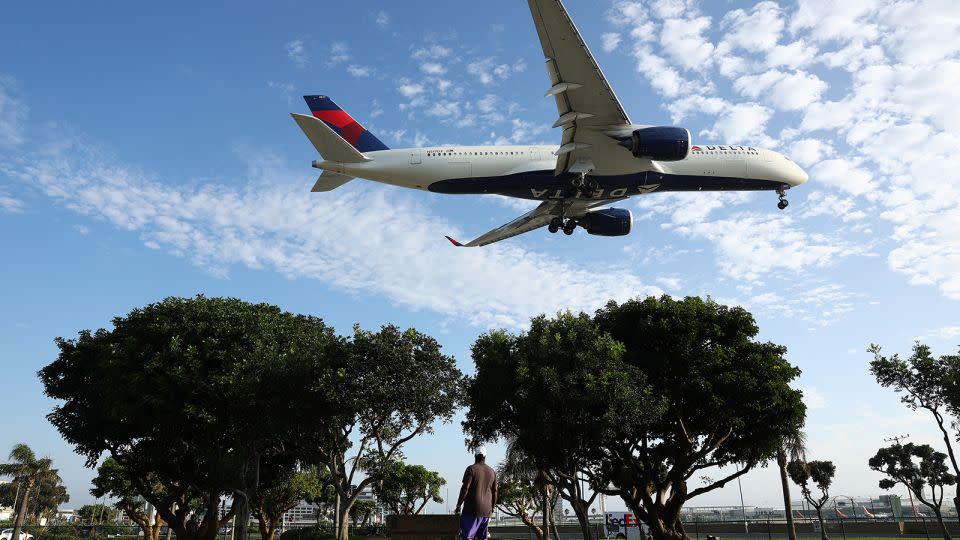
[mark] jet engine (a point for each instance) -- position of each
(608, 222)
(661, 143)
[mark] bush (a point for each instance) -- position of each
(311, 533)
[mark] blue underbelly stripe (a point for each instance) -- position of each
(542, 185)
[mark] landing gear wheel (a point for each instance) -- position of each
(783, 204)
(555, 225)
(569, 227)
(782, 192)
(552, 228)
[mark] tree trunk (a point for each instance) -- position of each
(343, 522)
(823, 529)
(943, 526)
(547, 509)
(785, 484)
(528, 521)
(22, 512)
(336, 516)
(583, 518)
(242, 521)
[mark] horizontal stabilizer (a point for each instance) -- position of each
(330, 181)
(330, 145)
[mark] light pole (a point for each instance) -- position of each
(743, 508)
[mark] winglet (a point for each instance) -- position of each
(454, 242)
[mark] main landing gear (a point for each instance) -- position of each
(568, 226)
(783, 199)
(580, 181)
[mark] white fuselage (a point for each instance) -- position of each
(527, 171)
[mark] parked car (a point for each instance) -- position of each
(7, 534)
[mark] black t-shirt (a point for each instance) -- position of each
(480, 479)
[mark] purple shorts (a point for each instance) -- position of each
(474, 528)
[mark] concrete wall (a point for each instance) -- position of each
(424, 527)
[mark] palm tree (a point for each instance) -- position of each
(792, 447)
(518, 465)
(28, 472)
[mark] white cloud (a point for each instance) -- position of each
(844, 174)
(813, 398)
(757, 30)
(10, 204)
(809, 151)
(683, 42)
(742, 123)
(828, 20)
(819, 203)
(433, 68)
(13, 114)
(359, 71)
(792, 55)
(383, 19)
(82, 229)
(297, 52)
(786, 91)
(488, 71)
(410, 90)
(339, 53)
(273, 228)
(947, 332)
(432, 52)
(611, 40)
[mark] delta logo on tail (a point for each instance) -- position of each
(343, 124)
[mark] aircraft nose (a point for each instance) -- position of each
(799, 176)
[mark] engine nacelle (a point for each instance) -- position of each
(608, 222)
(661, 143)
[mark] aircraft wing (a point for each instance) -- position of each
(586, 104)
(534, 219)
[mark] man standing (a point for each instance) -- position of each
(478, 496)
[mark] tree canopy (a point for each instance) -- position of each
(407, 489)
(97, 513)
(559, 391)
(926, 382)
(38, 482)
(820, 473)
(184, 393)
(921, 469)
(726, 396)
(392, 387)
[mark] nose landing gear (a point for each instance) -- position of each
(783, 198)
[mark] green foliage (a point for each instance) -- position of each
(916, 467)
(40, 486)
(185, 392)
(820, 473)
(393, 386)
(311, 533)
(97, 513)
(727, 399)
(926, 382)
(407, 489)
(282, 492)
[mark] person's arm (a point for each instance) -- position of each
(464, 489)
(496, 492)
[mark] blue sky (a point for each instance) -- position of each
(147, 151)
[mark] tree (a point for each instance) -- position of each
(287, 489)
(821, 474)
(792, 448)
(898, 463)
(525, 490)
(29, 472)
(559, 392)
(93, 514)
(392, 386)
(114, 482)
(727, 401)
(189, 395)
(47, 496)
(928, 383)
(407, 489)
(361, 512)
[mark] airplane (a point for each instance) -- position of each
(602, 158)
